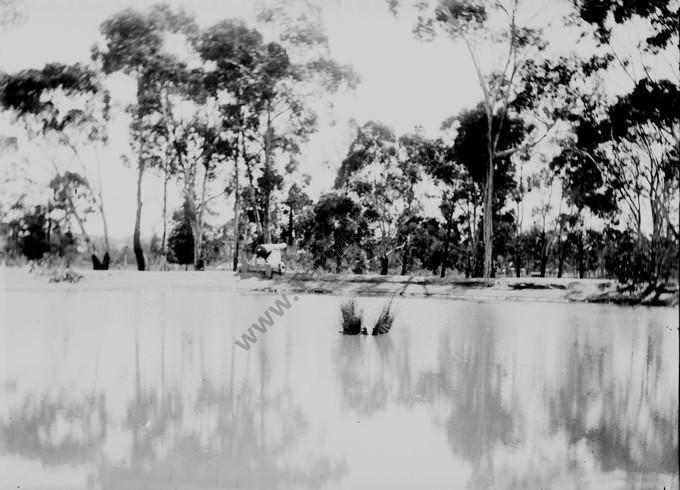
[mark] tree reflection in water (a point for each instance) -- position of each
(220, 437)
(478, 419)
(513, 400)
(634, 428)
(603, 404)
(367, 370)
(55, 430)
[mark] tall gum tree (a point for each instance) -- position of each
(271, 89)
(65, 110)
(380, 172)
(200, 153)
(296, 87)
(134, 43)
(628, 144)
(232, 49)
(498, 45)
(469, 150)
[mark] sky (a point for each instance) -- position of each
(404, 82)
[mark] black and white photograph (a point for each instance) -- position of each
(339, 244)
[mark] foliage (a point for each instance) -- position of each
(32, 234)
(626, 257)
(334, 225)
(24, 91)
(470, 150)
(226, 111)
(659, 12)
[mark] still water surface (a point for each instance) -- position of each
(121, 390)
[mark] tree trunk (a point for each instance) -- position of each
(136, 239)
(447, 242)
(107, 246)
(581, 261)
(560, 256)
(384, 265)
(100, 203)
(488, 197)
(236, 239)
(405, 259)
(198, 232)
(544, 254)
(49, 223)
(290, 225)
(253, 195)
(165, 219)
(488, 207)
(194, 233)
(267, 195)
(237, 204)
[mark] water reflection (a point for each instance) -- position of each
(55, 431)
(153, 394)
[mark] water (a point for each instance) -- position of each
(148, 391)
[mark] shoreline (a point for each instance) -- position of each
(563, 290)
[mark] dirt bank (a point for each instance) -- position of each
(516, 289)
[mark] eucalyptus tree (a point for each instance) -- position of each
(644, 150)
(469, 149)
(296, 201)
(543, 182)
(336, 225)
(69, 197)
(498, 45)
(416, 153)
(625, 154)
(605, 15)
(64, 110)
(642, 126)
(371, 174)
(624, 150)
(299, 75)
(200, 152)
(234, 50)
(266, 98)
(460, 205)
(135, 43)
(580, 165)
(190, 142)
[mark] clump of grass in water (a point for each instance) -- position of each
(351, 318)
(384, 322)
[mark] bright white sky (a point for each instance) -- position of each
(405, 82)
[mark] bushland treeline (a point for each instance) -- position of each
(222, 113)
